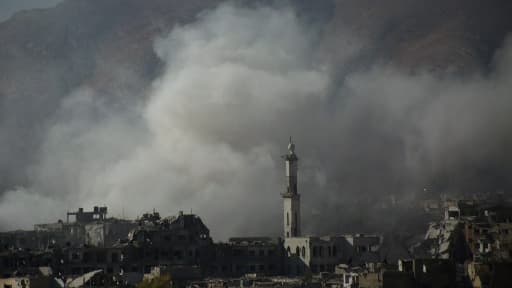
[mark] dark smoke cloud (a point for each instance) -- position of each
(209, 133)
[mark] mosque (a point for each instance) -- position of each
(318, 253)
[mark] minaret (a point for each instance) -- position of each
(291, 199)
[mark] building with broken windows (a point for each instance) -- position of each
(489, 234)
(254, 255)
(90, 228)
(90, 247)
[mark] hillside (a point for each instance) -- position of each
(108, 44)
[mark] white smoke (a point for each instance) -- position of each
(209, 134)
(231, 78)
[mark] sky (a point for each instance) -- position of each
(9, 7)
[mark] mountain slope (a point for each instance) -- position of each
(108, 44)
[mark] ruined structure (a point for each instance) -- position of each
(472, 243)
(98, 214)
(256, 255)
(91, 228)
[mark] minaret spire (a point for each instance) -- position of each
(291, 197)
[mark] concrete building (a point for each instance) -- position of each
(489, 235)
(314, 254)
(435, 273)
(107, 233)
(81, 216)
(254, 255)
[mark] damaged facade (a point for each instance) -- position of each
(471, 246)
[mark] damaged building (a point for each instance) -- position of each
(471, 243)
(243, 255)
(89, 228)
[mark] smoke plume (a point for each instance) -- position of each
(208, 134)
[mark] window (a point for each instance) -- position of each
(297, 251)
(289, 251)
(334, 251)
(295, 218)
(86, 257)
(314, 251)
(329, 251)
(303, 251)
(287, 219)
(178, 254)
(262, 252)
(114, 258)
(320, 251)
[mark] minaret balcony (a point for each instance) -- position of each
(289, 194)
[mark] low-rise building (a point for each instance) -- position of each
(322, 254)
(254, 255)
